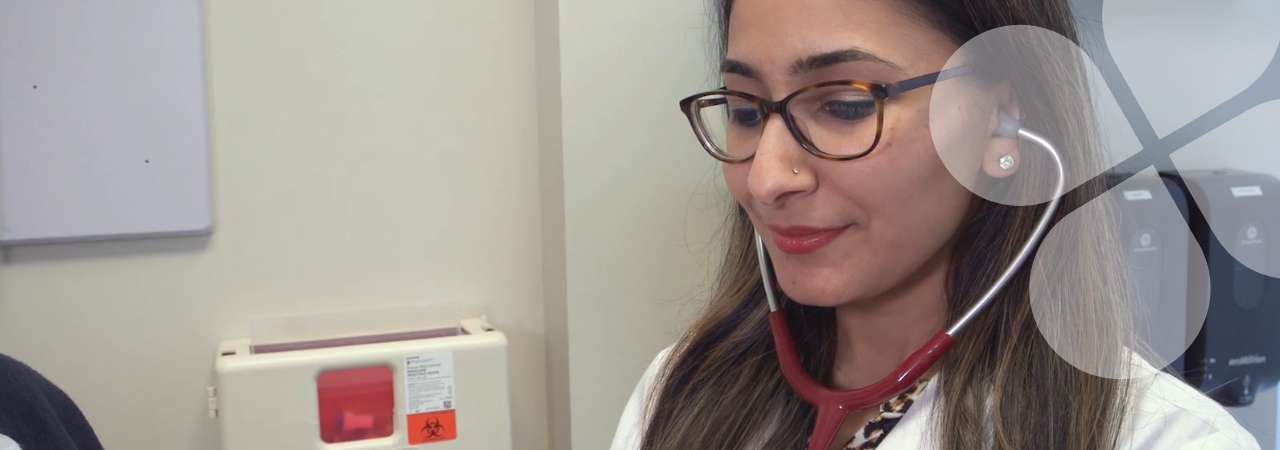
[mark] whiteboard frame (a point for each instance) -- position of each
(104, 121)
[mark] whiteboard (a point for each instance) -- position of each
(103, 120)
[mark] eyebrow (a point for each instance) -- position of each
(810, 63)
(736, 67)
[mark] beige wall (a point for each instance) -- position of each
(641, 198)
(551, 154)
(630, 201)
(364, 154)
(524, 157)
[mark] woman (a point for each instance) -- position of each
(876, 246)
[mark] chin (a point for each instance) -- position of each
(820, 296)
(818, 286)
(831, 278)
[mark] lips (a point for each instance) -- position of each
(800, 240)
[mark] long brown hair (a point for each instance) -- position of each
(1003, 385)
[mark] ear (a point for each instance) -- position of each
(999, 147)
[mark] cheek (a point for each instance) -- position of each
(921, 194)
(915, 207)
(928, 209)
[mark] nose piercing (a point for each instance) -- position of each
(795, 170)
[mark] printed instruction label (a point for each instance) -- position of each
(428, 383)
(1246, 191)
(1141, 194)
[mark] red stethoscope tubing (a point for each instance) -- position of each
(834, 405)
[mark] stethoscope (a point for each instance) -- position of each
(835, 405)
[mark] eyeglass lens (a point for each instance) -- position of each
(837, 120)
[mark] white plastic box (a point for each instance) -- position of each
(438, 389)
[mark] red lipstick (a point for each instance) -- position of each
(800, 240)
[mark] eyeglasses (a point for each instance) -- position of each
(836, 120)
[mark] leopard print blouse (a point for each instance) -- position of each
(890, 413)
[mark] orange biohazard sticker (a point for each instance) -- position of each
(432, 427)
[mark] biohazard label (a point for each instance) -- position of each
(432, 427)
(430, 403)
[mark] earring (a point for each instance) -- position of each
(795, 170)
(1006, 162)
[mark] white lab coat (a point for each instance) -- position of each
(8, 444)
(1167, 415)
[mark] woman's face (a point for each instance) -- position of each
(843, 231)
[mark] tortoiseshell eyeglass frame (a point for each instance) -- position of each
(879, 92)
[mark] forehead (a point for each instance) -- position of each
(771, 34)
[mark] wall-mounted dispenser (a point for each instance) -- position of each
(436, 387)
(1153, 232)
(1237, 352)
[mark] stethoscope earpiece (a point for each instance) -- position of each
(1008, 126)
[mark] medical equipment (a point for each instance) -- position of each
(1153, 213)
(834, 405)
(1237, 352)
(442, 388)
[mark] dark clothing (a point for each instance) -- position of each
(37, 415)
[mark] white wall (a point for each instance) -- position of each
(641, 197)
(364, 153)
(551, 165)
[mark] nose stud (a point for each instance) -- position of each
(795, 170)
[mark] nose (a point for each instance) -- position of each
(773, 177)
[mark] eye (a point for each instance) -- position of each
(745, 117)
(849, 110)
